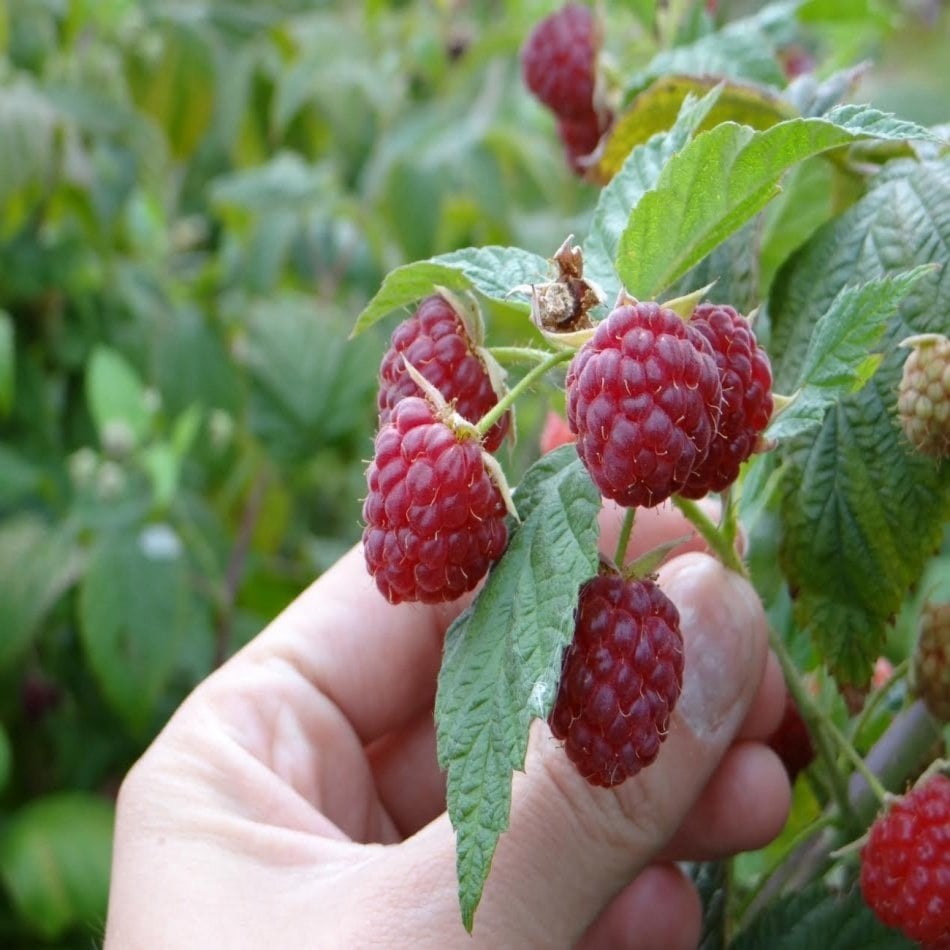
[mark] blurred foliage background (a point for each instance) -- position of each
(196, 199)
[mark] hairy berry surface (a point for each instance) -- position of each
(931, 671)
(435, 342)
(924, 401)
(746, 378)
(620, 678)
(905, 865)
(558, 61)
(643, 398)
(435, 519)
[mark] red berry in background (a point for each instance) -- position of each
(556, 432)
(746, 378)
(558, 61)
(580, 137)
(434, 340)
(620, 679)
(435, 519)
(905, 865)
(643, 398)
(791, 741)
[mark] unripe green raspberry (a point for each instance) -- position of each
(931, 673)
(924, 401)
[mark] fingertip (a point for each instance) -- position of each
(660, 908)
(767, 708)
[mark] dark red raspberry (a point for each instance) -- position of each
(746, 378)
(905, 865)
(558, 61)
(435, 519)
(643, 398)
(580, 137)
(434, 340)
(791, 741)
(620, 679)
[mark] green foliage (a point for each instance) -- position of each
(196, 202)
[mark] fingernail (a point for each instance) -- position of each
(723, 630)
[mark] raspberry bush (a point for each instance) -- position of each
(707, 334)
(196, 199)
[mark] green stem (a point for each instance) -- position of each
(875, 699)
(880, 792)
(519, 354)
(730, 517)
(717, 542)
(526, 381)
(625, 530)
(817, 724)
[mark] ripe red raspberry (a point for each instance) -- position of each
(746, 378)
(435, 519)
(558, 61)
(580, 137)
(620, 678)
(924, 401)
(905, 864)
(643, 398)
(791, 741)
(931, 672)
(434, 340)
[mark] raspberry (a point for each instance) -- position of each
(643, 399)
(791, 741)
(580, 137)
(435, 519)
(932, 659)
(558, 60)
(434, 340)
(924, 401)
(620, 678)
(746, 378)
(905, 865)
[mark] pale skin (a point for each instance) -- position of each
(294, 800)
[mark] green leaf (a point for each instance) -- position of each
(116, 395)
(655, 109)
(7, 364)
(6, 758)
(639, 174)
(285, 183)
(837, 361)
(309, 386)
(492, 271)
(720, 180)
(861, 512)
(134, 610)
(743, 49)
(817, 918)
(55, 854)
(173, 79)
(503, 657)
(38, 564)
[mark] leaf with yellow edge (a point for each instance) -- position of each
(655, 110)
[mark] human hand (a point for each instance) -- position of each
(294, 800)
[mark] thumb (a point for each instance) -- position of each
(571, 847)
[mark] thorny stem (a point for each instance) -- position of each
(860, 765)
(717, 542)
(625, 530)
(526, 381)
(876, 698)
(519, 354)
(726, 552)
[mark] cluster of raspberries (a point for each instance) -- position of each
(434, 515)
(664, 406)
(558, 63)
